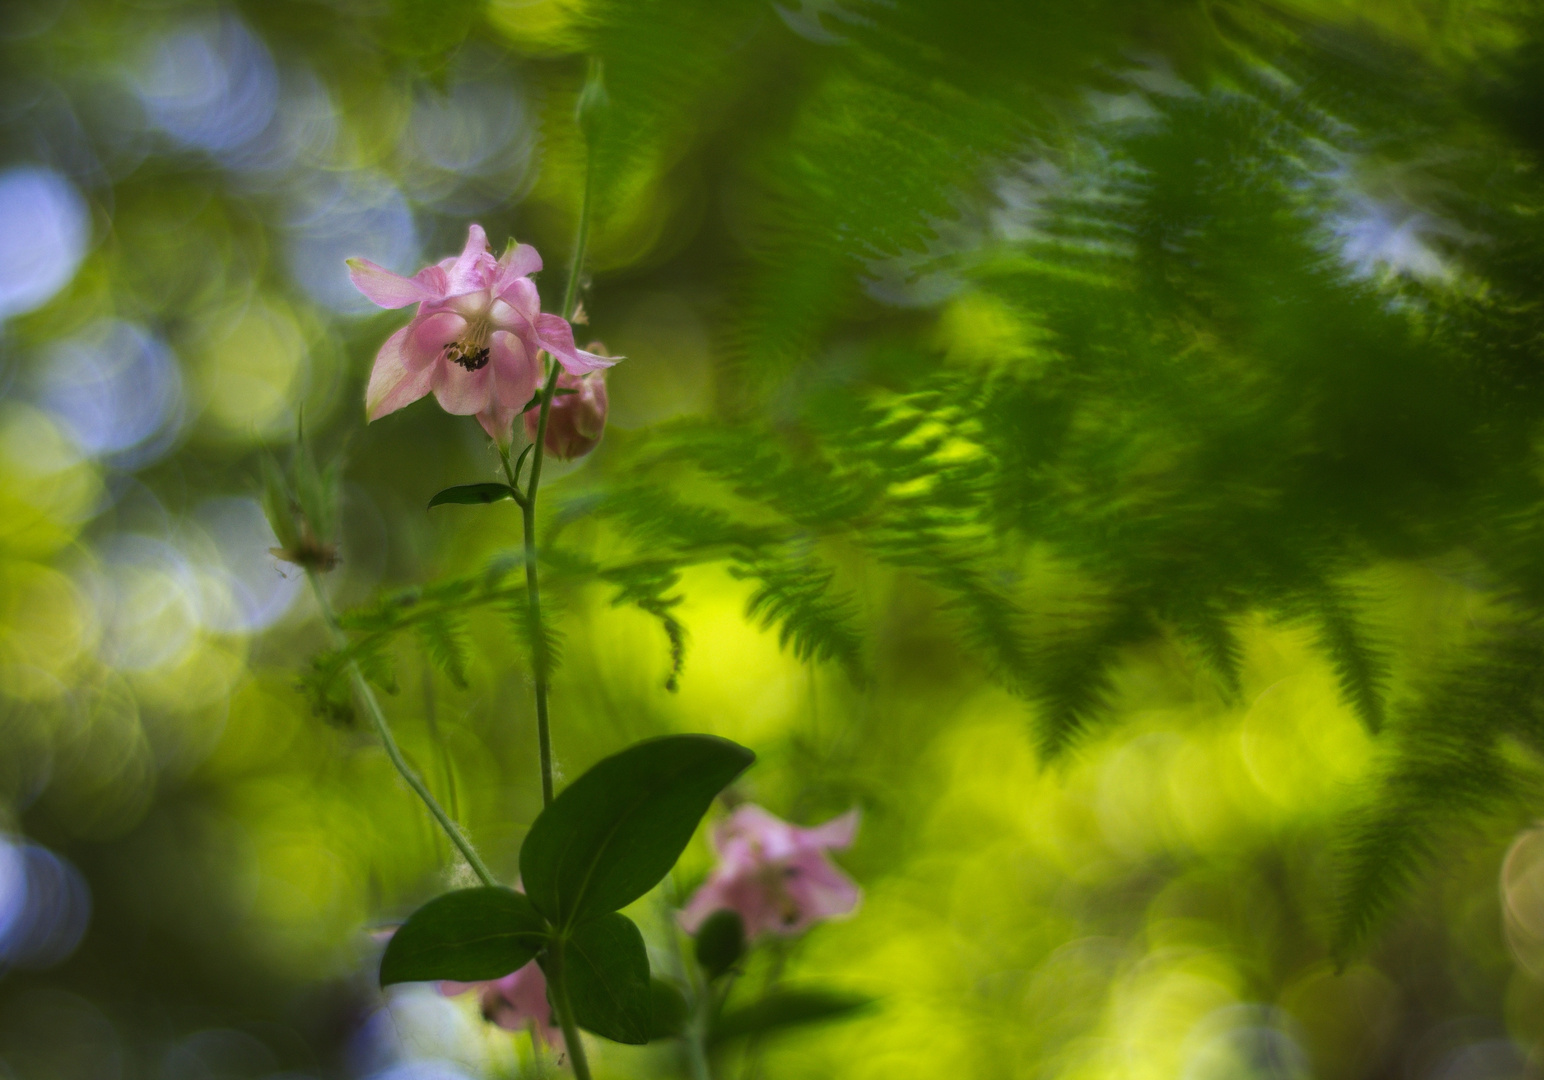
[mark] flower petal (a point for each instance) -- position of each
(712, 896)
(515, 378)
(474, 268)
(837, 833)
(555, 335)
(519, 1001)
(398, 378)
(462, 392)
(390, 290)
(519, 261)
(819, 890)
(520, 294)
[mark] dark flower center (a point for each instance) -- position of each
(468, 355)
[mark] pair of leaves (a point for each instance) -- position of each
(607, 839)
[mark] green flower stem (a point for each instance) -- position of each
(378, 718)
(539, 663)
(697, 1036)
(557, 985)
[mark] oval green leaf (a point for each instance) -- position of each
(606, 966)
(612, 834)
(468, 494)
(468, 936)
(784, 1009)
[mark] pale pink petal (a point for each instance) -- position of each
(520, 261)
(393, 290)
(399, 376)
(837, 833)
(474, 269)
(712, 896)
(518, 374)
(429, 334)
(462, 392)
(555, 335)
(499, 423)
(451, 989)
(818, 889)
(752, 831)
(520, 295)
(590, 406)
(519, 1001)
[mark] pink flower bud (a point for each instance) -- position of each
(575, 420)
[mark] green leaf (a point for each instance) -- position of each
(612, 834)
(468, 494)
(468, 936)
(668, 1016)
(785, 1009)
(607, 969)
(720, 942)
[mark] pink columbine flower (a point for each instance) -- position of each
(776, 876)
(517, 1002)
(575, 422)
(475, 339)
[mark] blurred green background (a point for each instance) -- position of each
(1148, 393)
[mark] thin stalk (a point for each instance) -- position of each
(382, 729)
(557, 984)
(697, 1036)
(539, 664)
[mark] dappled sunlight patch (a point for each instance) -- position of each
(47, 489)
(46, 626)
(737, 681)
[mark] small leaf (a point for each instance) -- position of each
(607, 968)
(720, 942)
(468, 494)
(668, 1017)
(785, 1009)
(469, 935)
(612, 834)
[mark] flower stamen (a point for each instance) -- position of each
(467, 354)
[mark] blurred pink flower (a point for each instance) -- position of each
(776, 876)
(475, 339)
(575, 421)
(517, 1002)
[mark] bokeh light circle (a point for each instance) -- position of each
(44, 229)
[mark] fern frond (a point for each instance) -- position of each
(446, 643)
(1446, 771)
(1361, 668)
(796, 596)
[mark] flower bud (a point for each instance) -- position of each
(576, 419)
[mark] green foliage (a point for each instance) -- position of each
(468, 936)
(1449, 771)
(612, 834)
(669, 1010)
(606, 967)
(783, 1009)
(472, 494)
(1088, 369)
(608, 838)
